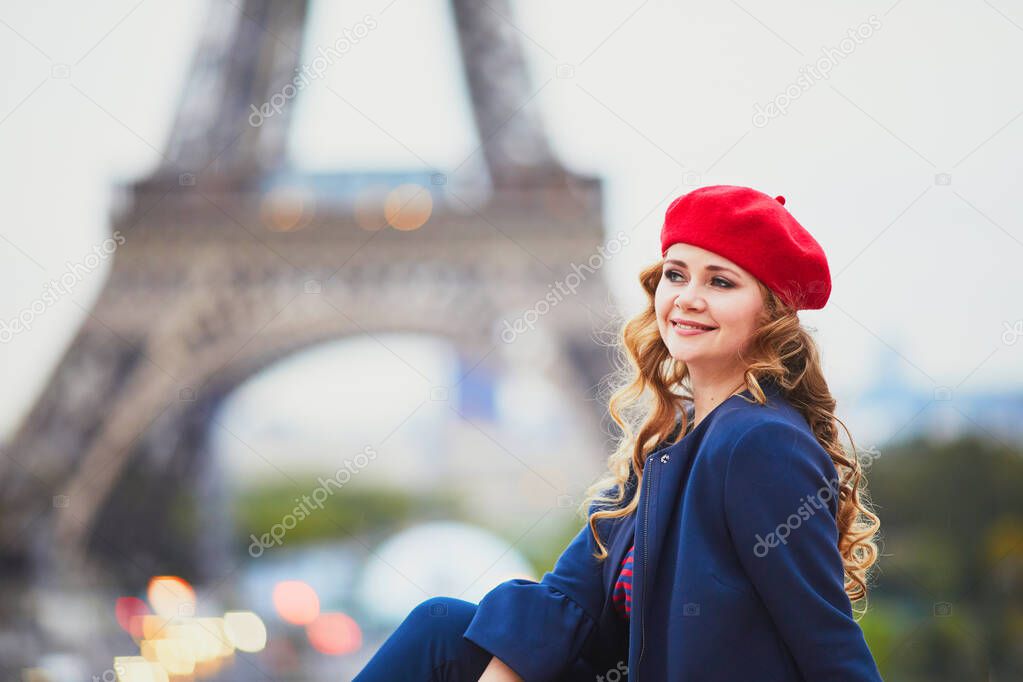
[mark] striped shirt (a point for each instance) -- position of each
(622, 594)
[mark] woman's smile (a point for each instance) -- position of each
(686, 330)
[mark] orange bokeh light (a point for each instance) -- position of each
(408, 207)
(296, 602)
(171, 596)
(334, 634)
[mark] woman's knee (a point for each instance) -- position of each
(443, 615)
(428, 645)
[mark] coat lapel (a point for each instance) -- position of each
(672, 466)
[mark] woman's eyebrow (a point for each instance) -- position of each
(715, 268)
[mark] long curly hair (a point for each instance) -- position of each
(650, 390)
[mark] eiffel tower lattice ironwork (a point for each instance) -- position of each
(208, 288)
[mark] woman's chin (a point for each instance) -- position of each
(686, 355)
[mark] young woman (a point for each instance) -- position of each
(732, 531)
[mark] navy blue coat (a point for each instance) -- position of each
(737, 574)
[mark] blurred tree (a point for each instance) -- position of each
(949, 581)
(360, 510)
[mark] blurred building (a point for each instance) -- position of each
(229, 260)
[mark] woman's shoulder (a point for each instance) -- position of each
(745, 415)
(775, 435)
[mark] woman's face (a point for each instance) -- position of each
(708, 289)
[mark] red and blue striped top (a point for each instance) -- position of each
(622, 595)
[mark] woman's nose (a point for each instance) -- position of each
(688, 298)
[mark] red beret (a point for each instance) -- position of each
(757, 233)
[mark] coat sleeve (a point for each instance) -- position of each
(781, 499)
(539, 628)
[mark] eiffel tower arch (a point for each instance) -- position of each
(225, 268)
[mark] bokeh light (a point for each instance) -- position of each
(296, 602)
(129, 612)
(171, 596)
(245, 630)
(335, 634)
(408, 206)
(205, 637)
(138, 669)
(439, 556)
(176, 656)
(284, 209)
(154, 627)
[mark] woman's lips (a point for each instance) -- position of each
(689, 331)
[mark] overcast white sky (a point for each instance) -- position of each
(930, 271)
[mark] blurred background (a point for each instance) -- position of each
(306, 306)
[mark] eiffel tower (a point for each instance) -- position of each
(224, 270)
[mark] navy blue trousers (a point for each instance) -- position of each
(428, 647)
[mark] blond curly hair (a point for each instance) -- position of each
(650, 390)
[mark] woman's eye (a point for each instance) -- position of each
(723, 283)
